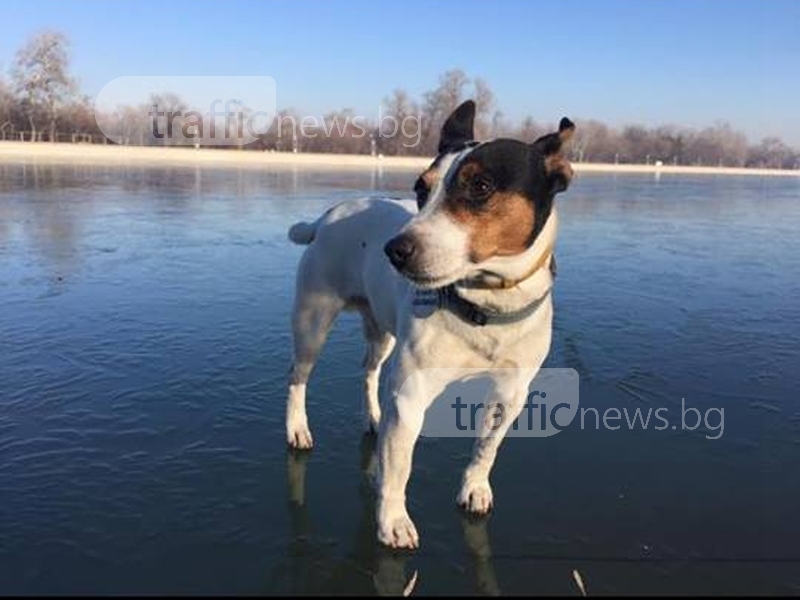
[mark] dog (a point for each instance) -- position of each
(479, 238)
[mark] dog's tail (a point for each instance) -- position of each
(303, 232)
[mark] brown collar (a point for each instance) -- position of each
(501, 283)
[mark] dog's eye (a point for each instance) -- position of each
(482, 185)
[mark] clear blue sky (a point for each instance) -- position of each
(689, 62)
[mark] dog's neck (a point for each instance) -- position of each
(509, 282)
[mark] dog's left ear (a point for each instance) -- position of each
(459, 127)
(557, 168)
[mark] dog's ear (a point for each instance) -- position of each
(557, 168)
(458, 128)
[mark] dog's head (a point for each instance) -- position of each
(479, 201)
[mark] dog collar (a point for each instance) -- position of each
(501, 283)
(426, 302)
(449, 299)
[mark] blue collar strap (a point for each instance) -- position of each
(450, 300)
(426, 302)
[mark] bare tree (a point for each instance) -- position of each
(167, 114)
(128, 125)
(529, 130)
(673, 144)
(41, 78)
(772, 153)
(501, 127)
(78, 119)
(438, 104)
(486, 104)
(399, 127)
(717, 145)
(581, 141)
(281, 135)
(341, 132)
(605, 142)
(731, 145)
(635, 144)
(7, 105)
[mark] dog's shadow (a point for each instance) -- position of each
(368, 568)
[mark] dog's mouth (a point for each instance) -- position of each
(428, 282)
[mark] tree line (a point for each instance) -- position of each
(40, 100)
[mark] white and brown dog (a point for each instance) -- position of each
(481, 234)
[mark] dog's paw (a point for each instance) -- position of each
(476, 496)
(298, 435)
(398, 531)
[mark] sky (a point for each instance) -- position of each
(684, 62)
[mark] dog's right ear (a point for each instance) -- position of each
(459, 127)
(551, 146)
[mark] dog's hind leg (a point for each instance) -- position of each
(314, 313)
(379, 347)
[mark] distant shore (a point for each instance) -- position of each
(95, 154)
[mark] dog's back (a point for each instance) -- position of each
(345, 254)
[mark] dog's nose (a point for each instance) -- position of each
(400, 249)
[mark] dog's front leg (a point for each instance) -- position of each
(396, 441)
(399, 429)
(476, 495)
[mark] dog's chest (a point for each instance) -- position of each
(440, 338)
